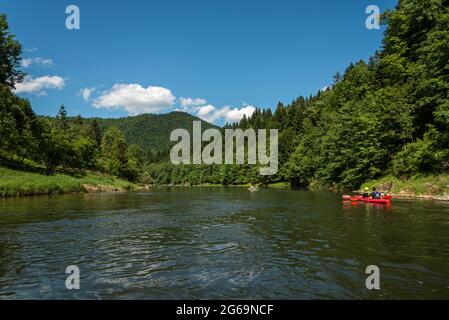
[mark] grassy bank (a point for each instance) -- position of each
(419, 186)
(18, 183)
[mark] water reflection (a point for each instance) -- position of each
(214, 243)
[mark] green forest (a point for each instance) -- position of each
(385, 116)
(388, 116)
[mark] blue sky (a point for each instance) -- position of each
(140, 56)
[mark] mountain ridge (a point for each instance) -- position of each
(149, 131)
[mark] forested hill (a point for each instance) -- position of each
(151, 132)
(386, 116)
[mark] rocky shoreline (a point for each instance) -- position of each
(418, 188)
(406, 195)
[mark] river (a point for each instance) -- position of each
(221, 243)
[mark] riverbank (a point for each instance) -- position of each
(428, 187)
(423, 187)
(280, 185)
(22, 183)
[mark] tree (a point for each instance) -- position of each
(114, 156)
(54, 147)
(18, 124)
(78, 120)
(337, 78)
(280, 115)
(62, 118)
(10, 56)
(85, 152)
(136, 158)
(95, 132)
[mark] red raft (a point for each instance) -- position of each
(385, 200)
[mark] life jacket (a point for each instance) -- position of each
(376, 195)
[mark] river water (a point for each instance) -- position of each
(221, 243)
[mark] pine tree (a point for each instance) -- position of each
(95, 132)
(62, 118)
(78, 120)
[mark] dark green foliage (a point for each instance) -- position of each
(10, 51)
(53, 144)
(387, 116)
(18, 124)
(149, 131)
(85, 153)
(78, 120)
(54, 147)
(95, 132)
(113, 152)
(422, 156)
(384, 116)
(62, 118)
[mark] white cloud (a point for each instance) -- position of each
(189, 102)
(39, 85)
(86, 93)
(210, 113)
(237, 114)
(26, 63)
(135, 99)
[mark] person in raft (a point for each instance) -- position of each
(366, 193)
(375, 194)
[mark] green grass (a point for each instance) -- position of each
(18, 183)
(418, 185)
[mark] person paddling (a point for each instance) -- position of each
(366, 193)
(375, 194)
